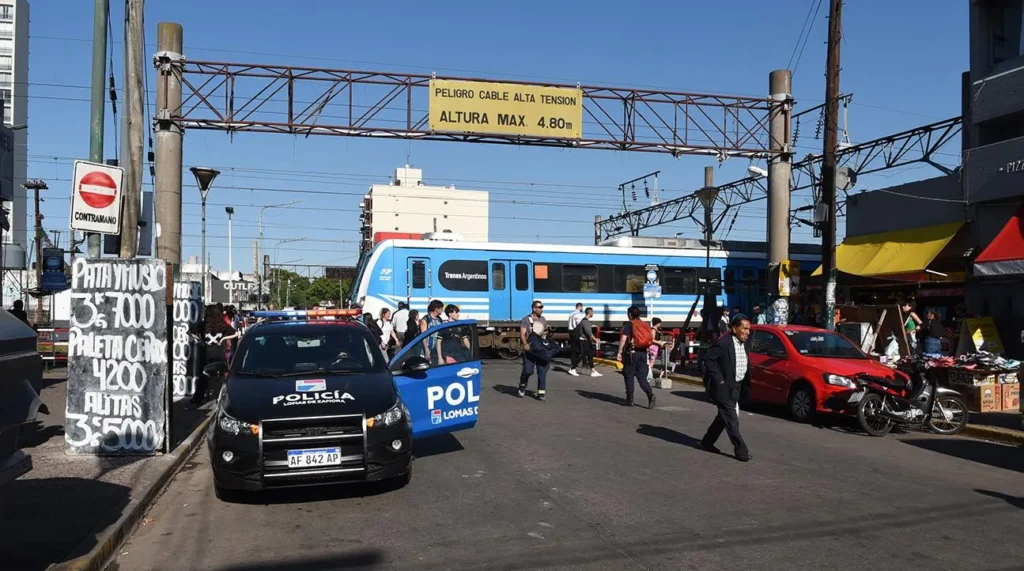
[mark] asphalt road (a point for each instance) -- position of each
(581, 483)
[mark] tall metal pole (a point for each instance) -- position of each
(133, 129)
(96, 122)
(205, 269)
(35, 186)
(231, 275)
(168, 62)
(828, 163)
(780, 174)
(707, 196)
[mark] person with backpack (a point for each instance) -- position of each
(636, 337)
(575, 341)
(537, 351)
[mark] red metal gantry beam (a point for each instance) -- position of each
(316, 101)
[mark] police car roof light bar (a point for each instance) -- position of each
(307, 314)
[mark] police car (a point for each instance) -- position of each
(310, 399)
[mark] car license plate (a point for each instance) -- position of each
(855, 397)
(314, 457)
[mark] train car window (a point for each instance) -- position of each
(498, 277)
(522, 277)
(463, 275)
(419, 275)
(547, 278)
(629, 279)
(579, 279)
(679, 281)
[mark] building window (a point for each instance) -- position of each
(629, 279)
(522, 277)
(6, 13)
(579, 279)
(1005, 23)
(463, 275)
(498, 277)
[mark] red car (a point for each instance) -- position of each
(808, 369)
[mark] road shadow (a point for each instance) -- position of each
(37, 432)
(1009, 420)
(315, 494)
(443, 444)
(980, 451)
(602, 397)
(45, 519)
(185, 418)
(358, 559)
(1017, 502)
(669, 435)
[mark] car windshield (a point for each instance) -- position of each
(282, 353)
(823, 344)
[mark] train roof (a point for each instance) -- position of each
(717, 249)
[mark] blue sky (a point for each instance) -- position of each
(904, 71)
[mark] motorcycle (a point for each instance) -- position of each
(882, 404)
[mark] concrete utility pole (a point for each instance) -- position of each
(96, 123)
(828, 162)
(780, 174)
(168, 61)
(707, 197)
(36, 185)
(132, 121)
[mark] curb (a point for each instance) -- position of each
(978, 431)
(159, 475)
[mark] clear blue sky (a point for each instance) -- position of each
(904, 71)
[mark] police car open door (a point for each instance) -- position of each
(438, 378)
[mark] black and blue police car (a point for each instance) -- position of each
(310, 398)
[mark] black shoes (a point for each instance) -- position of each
(629, 401)
(651, 400)
(542, 398)
(709, 448)
(744, 457)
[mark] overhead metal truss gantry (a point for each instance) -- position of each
(917, 145)
(316, 101)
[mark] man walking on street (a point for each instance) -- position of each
(636, 338)
(589, 343)
(575, 343)
(533, 325)
(400, 322)
(726, 374)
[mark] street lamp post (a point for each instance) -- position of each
(231, 274)
(279, 242)
(707, 197)
(261, 278)
(204, 178)
(37, 185)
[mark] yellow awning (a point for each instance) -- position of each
(897, 252)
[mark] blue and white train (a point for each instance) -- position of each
(496, 283)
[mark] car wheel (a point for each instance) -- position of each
(802, 403)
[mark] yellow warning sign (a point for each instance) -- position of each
(505, 109)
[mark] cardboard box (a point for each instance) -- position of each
(984, 398)
(1011, 396)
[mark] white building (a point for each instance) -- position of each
(408, 206)
(14, 92)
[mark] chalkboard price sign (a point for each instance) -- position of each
(117, 357)
(187, 312)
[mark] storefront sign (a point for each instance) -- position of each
(1015, 166)
(505, 109)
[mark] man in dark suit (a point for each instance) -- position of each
(727, 373)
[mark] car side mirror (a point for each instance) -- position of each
(213, 369)
(416, 363)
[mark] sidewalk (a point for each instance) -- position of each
(65, 503)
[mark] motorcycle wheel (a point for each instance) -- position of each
(868, 415)
(957, 409)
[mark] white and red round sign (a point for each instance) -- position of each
(96, 198)
(97, 189)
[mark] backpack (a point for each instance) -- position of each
(643, 337)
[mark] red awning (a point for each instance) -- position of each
(1005, 255)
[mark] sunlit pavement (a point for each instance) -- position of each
(580, 482)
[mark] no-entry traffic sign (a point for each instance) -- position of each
(96, 198)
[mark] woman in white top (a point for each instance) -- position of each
(387, 330)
